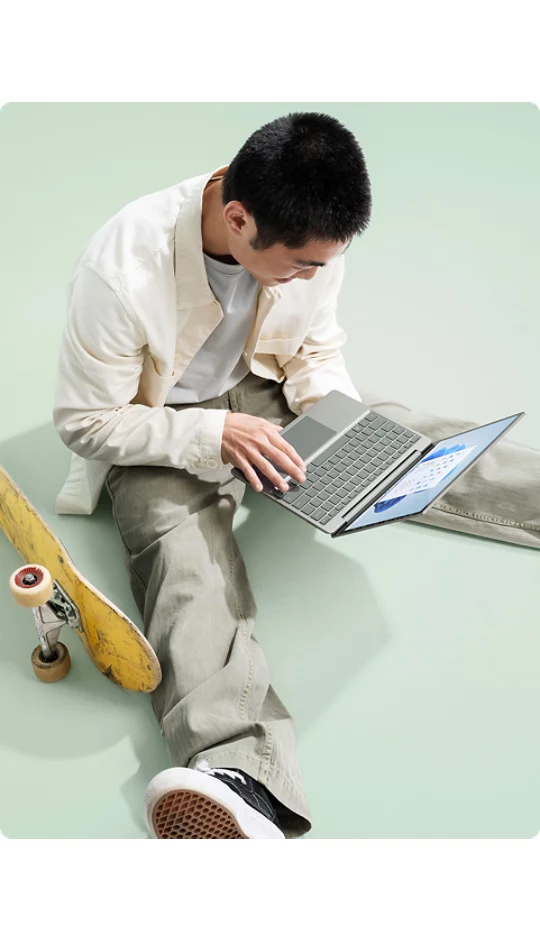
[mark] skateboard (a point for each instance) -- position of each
(59, 596)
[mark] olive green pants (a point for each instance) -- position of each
(216, 701)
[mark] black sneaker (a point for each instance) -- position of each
(209, 803)
(249, 789)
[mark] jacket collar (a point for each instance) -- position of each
(192, 287)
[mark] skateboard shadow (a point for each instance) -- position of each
(318, 622)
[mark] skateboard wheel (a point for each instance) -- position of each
(31, 586)
(51, 670)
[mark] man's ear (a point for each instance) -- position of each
(235, 215)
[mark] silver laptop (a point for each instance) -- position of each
(364, 470)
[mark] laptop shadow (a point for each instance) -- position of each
(318, 618)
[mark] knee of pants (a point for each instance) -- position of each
(149, 506)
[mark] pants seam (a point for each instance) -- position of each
(242, 705)
(266, 757)
(245, 631)
(128, 553)
(496, 520)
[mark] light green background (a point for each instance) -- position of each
(409, 657)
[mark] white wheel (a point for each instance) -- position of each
(31, 586)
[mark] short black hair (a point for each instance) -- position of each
(302, 177)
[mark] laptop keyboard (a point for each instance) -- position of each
(371, 446)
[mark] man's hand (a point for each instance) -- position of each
(248, 440)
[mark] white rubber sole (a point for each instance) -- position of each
(180, 803)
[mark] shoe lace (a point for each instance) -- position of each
(205, 768)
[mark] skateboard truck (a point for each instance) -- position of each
(64, 608)
(33, 587)
(51, 617)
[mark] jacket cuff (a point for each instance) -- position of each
(210, 438)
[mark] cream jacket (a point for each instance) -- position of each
(140, 308)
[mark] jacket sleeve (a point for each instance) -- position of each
(101, 360)
(318, 366)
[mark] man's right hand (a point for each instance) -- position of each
(248, 441)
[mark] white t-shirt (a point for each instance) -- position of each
(219, 366)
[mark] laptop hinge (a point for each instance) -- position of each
(367, 500)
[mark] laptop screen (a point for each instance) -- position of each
(428, 478)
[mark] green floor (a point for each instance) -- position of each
(409, 657)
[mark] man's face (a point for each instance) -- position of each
(278, 264)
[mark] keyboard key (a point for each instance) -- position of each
(317, 515)
(290, 496)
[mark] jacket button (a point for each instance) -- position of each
(211, 463)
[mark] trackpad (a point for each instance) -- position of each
(307, 436)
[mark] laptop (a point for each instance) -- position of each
(364, 470)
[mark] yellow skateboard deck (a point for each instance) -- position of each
(113, 642)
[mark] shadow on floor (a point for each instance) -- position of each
(318, 622)
(318, 618)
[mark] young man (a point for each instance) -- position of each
(202, 319)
